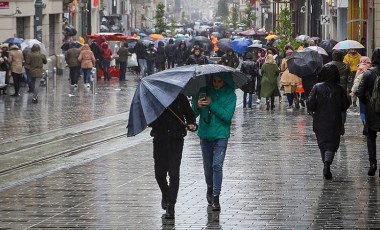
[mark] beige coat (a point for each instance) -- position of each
(15, 59)
(86, 57)
(288, 78)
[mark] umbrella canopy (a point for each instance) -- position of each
(271, 36)
(320, 50)
(348, 44)
(255, 47)
(252, 32)
(303, 38)
(202, 41)
(224, 43)
(28, 43)
(14, 40)
(157, 91)
(164, 40)
(328, 45)
(66, 46)
(70, 30)
(240, 45)
(304, 63)
(155, 37)
(216, 34)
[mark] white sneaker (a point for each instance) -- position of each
(258, 101)
(76, 85)
(88, 85)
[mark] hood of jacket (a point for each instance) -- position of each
(85, 47)
(329, 74)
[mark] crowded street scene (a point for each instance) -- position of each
(215, 114)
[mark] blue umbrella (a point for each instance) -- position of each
(14, 40)
(157, 91)
(240, 45)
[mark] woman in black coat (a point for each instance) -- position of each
(327, 101)
(371, 117)
(160, 56)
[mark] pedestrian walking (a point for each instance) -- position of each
(181, 54)
(36, 61)
(364, 65)
(87, 60)
(168, 132)
(259, 63)
(170, 53)
(123, 53)
(215, 105)
(71, 57)
(151, 58)
(372, 118)
(160, 56)
(107, 56)
(97, 51)
(5, 65)
(326, 102)
(197, 57)
(269, 86)
(230, 59)
(15, 60)
(352, 58)
(25, 53)
(249, 68)
(141, 54)
(344, 72)
(289, 81)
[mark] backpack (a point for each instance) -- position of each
(375, 96)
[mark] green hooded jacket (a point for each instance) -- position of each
(215, 120)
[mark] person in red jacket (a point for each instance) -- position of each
(107, 53)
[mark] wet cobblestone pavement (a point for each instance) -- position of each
(102, 180)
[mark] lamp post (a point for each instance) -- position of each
(38, 5)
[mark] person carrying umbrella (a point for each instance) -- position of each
(168, 132)
(71, 57)
(36, 61)
(249, 68)
(327, 101)
(215, 105)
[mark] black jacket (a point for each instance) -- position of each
(229, 60)
(249, 68)
(200, 60)
(181, 56)
(170, 52)
(168, 125)
(364, 93)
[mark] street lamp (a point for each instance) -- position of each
(38, 5)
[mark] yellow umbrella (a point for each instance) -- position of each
(155, 37)
(270, 36)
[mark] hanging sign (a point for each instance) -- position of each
(4, 4)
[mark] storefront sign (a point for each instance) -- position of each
(4, 4)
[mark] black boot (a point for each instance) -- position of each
(372, 169)
(215, 203)
(326, 171)
(164, 202)
(209, 195)
(268, 105)
(170, 212)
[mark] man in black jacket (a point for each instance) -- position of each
(170, 53)
(371, 117)
(168, 132)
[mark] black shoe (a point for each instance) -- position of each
(169, 212)
(302, 102)
(372, 170)
(15, 95)
(326, 171)
(209, 196)
(164, 203)
(365, 130)
(215, 203)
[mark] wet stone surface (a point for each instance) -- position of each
(272, 173)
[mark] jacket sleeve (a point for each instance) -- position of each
(312, 100)
(226, 111)
(80, 57)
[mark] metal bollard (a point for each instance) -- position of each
(94, 79)
(55, 77)
(47, 79)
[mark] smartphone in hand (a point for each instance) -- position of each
(202, 96)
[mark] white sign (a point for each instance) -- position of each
(325, 19)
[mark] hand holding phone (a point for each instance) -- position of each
(202, 96)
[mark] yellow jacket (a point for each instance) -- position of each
(352, 61)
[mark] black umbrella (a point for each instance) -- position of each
(255, 47)
(328, 45)
(223, 44)
(70, 30)
(157, 91)
(304, 63)
(201, 41)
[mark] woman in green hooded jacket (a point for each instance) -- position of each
(215, 104)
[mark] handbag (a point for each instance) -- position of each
(132, 61)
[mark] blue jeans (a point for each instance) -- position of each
(143, 66)
(213, 153)
(249, 100)
(87, 75)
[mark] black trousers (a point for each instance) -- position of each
(371, 145)
(123, 70)
(167, 154)
(16, 81)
